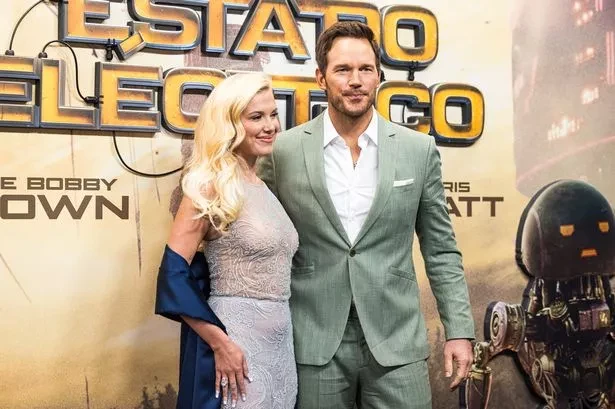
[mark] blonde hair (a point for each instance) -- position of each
(213, 178)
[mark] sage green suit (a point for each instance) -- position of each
(377, 271)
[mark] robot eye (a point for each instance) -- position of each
(566, 230)
(604, 227)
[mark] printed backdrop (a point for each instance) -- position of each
(81, 237)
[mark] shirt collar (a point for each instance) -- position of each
(330, 133)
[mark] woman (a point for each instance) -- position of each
(249, 244)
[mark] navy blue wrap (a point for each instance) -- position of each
(183, 289)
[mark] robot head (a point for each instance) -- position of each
(567, 230)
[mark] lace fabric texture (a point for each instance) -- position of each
(263, 330)
(250, 287)
(254, 258)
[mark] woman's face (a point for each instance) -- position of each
(261, 124)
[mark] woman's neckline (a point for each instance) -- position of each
(259, 183)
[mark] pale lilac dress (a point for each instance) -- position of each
(250, 288)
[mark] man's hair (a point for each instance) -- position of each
(352, 29)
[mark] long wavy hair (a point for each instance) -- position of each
(213, 177)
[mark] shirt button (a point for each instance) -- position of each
(352, 252)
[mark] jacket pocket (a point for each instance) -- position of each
(402, 274)
(302, 270)
(403, 188)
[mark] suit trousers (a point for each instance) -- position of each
(354, 379)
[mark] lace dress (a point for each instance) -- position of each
(250, 287)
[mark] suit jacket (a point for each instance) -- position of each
(376, 271)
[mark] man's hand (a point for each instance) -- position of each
(459, 351)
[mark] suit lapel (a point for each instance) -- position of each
(387, 146)
(313, 138)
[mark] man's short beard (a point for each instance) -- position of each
(338, 104)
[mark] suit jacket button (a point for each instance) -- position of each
(352, 252)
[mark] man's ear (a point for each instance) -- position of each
(320, 79)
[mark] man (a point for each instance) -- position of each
(357, 187)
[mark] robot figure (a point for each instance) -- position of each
(563, 332)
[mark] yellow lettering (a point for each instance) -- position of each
(16, 97)
(405, 94)
(215, 25)
(16, 91)
(131, 45)
(54, 112)
(176, 83)
(424, 27)
(185, 23)
(113, 82)
(299, 93)
(472, 104)
(74, 27)
(330, 12)
(255, 32)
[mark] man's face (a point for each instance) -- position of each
(351, 77)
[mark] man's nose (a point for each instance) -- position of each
(355, 79)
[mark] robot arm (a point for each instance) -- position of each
(505, 327)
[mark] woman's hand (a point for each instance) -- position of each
(231, 364)
(231, 371)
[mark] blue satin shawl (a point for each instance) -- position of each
(183, 289)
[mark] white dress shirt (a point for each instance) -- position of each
(352, 190)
